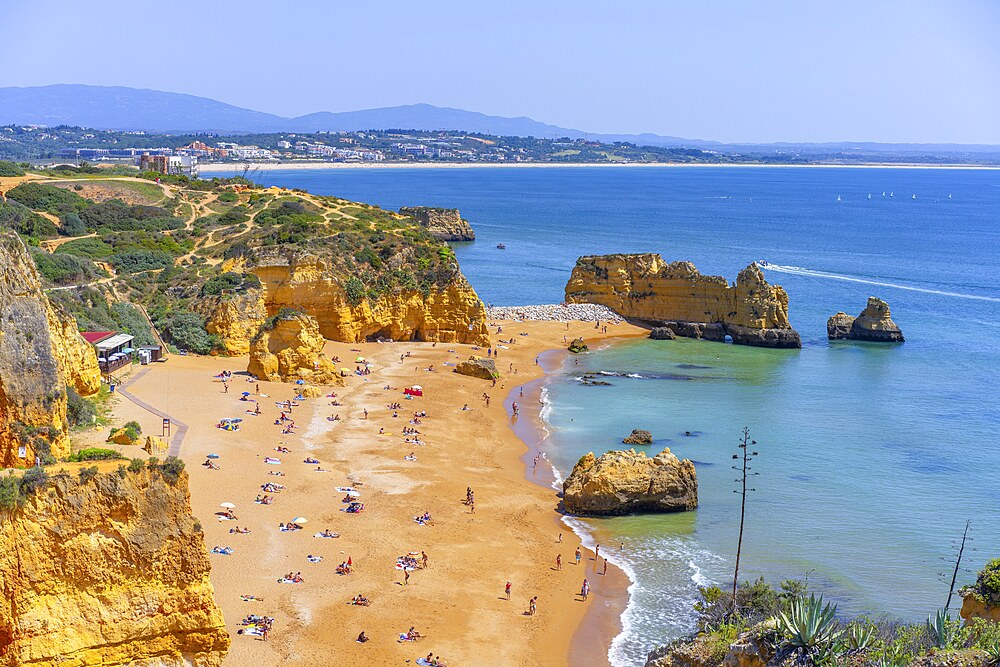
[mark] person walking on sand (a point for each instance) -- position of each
(585, 590)
(506, 590)
(225, 387)
(597, 552)
(258, 389)
(559, 540)
(605, 573)
(406, 577)
(533, 606)
(366, 413)
(579, 555)
(559, 561)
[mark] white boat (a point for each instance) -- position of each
(892, 194)
(869, 196)
(913, 197)
(839, 199)
(762, 263)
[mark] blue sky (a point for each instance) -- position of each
(809, 70)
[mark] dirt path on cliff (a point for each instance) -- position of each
(458, 601)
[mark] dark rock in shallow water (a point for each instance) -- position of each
(639, 437)
(662, 333)
(873, 324)
(578, 346)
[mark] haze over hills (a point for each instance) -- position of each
(123, 108)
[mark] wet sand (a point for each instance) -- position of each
(458, 601)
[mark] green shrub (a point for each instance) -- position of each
(79, 411)
(34, 479)
(87, 474)
(987, 586)
(136, 261)
(136, 465)
(10, 492)
(94, 454)
(93, 248)
(186, 330)
(72, 225)
(229, 282)
(228, 196)
(65, 269)
(171, 469)
(25, 222)
(49, 198)
(355, 290)
(8, 169)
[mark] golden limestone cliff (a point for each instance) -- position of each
(290, 347)
(111, 571)
(647, 290)
(40, 351)
(295, 280)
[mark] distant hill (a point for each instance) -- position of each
(120, 108)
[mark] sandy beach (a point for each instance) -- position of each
(217, 167)
(457, 602)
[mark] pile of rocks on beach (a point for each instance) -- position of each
(563, 312)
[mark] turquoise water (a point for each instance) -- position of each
(872, 457)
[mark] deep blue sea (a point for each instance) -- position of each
(871, 457)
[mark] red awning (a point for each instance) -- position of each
(93, 337)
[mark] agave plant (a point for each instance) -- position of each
(993, 654)
(860, 637)
(809, 624)
(941, 629)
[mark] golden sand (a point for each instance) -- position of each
(458, 602)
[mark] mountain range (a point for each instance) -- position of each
(121, 108)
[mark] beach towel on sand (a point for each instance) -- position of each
(423, 662)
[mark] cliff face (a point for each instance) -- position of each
(628, 482)
(873, 324)
(40, 351)
(645, 289)
(107, 572)
(449, 314)
(235, 320)
(444, 224)
(290, 350)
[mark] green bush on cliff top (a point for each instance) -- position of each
(987, 586)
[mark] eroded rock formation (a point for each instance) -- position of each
(291, 279)
(40, 352)
(626, 482)
(477, 367)
(577, 346)
(646, 290)
(873, 324)
(638, 436)
(108, 572)
(444, 224)
(291, 348)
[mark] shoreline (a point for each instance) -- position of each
(216, 167)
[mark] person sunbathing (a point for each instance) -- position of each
(362, 638)
(329, 533)
(413, 635)
(360, 600)
(283, 450)
(310, 460)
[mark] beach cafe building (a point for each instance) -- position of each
(114, 350)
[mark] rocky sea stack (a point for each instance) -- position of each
(444, 224)
(647, 291)
(638, 437)
(873, 324)
(629, 482)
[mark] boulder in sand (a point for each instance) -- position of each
(627, 482)
(662, 333)
(155, 446)
(478, 367)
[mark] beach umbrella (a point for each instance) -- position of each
(300, 520)
(359, 360)
(246, 393)
(228, 506)
(213, 456)
(300, 382)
